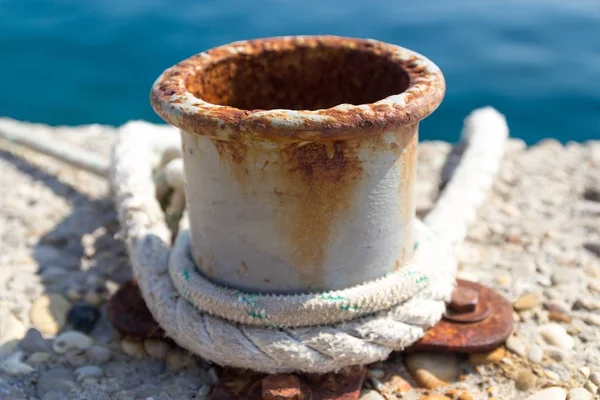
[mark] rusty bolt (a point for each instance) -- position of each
(281, 387)
(463, 300)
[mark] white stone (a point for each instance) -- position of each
(516, 345)
(554, 334)
(535, 354)
(553, 376)
(579, 394)
(370, 395)
(178, 359)
(71, 340)
(593, 319)
(38, 358)
(595, 378)
(133, 348)
(556, 353)
(591, 387)
(13, 365)
(98, 354)
(156, 348)
(204, 391)
(553, 393)
(49, 313)
(88, 371)
(376, 373)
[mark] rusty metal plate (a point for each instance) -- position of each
(128, 313)
(471, 337)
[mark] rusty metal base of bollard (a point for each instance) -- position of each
(477, 319)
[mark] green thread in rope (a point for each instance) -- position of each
(348, 307)
(249, 299)
(256, 314)
(416, 245)
(186, 275)
(422, 279)
(331, 297)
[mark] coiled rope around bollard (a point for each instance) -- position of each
(274, 333)
(309, 332)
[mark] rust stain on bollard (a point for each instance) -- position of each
(320, 185)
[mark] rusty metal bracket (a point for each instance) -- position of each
(477, 319)
(127, 312)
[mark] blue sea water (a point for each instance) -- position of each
(69, 62)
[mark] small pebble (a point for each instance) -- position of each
(13, 365)
(554, 334)
(525, 379)
(595, 378)
(558, 307)
(88, 371)
(432, 370)
(49, 313)
(74, 294)
(489, 357)
(465, 396)
(93, 298)
(71, 340)
(371, 395)
(33, 342)
(553, 376)
(526, 302)
(98, 354)
(435, 397)
(553, 393)
(76, 357)
(535, 354)
(377, 384)
(555, 353)
(559, 317)
(212, 376)
(376, 373)
(579, 394)
(516, 345)
(398, 384)
(178, 359)
(204, 391)
(38, 358)
(593, 319)
(563, 275)
(133, 348)
(585, 371)
(83, 318)
(156, 348)
(591, 387)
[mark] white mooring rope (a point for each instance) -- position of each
(309, 332)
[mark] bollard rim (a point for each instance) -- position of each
(174, 102)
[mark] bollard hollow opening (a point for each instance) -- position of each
(317, 88)
(300, 78)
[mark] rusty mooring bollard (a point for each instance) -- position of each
(300, 158)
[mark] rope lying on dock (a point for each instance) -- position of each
(310, 332)
(278, 333)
